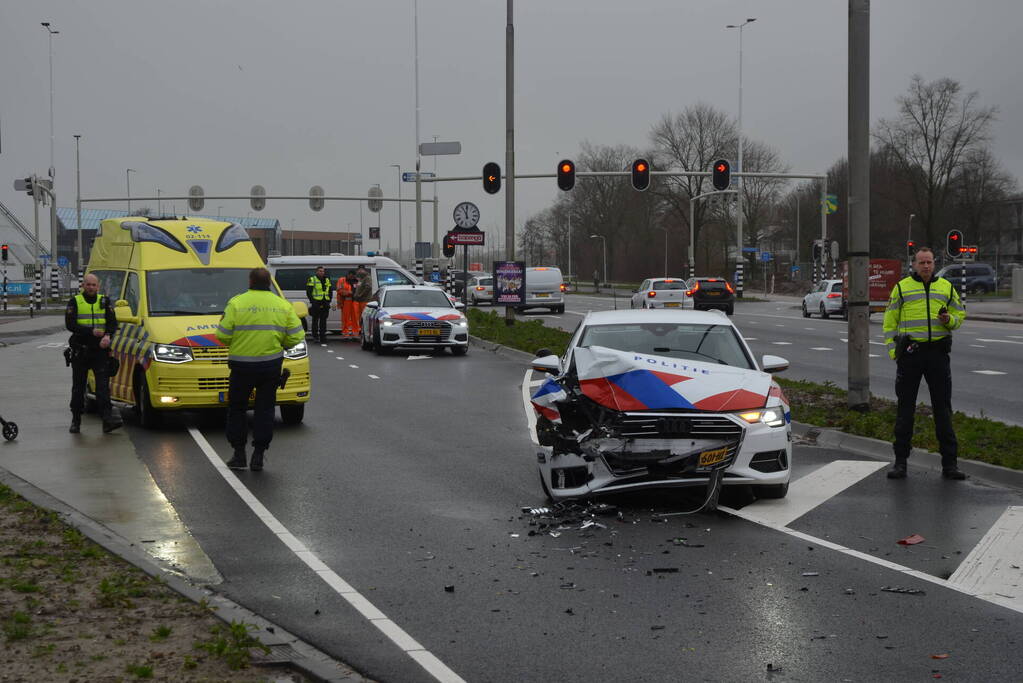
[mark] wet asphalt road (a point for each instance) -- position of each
(408, 476)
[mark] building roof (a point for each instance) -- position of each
(91, 219)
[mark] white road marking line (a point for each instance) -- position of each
(330, 350)
(821, 348)
(374, 377)
(354, 367)
(418, 357)
(999, 341)
(388, 628)
(782, 343)
(1015, 336)
(978, 346)
(873, 355)
(991, 570)
(750, 338)
(876, 343)
(527, 405)
(339, 357)
(988, 372)
(51, 345)
(779, 325)
(844, 340)
(812, 329)
(811, 490)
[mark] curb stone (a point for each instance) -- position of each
(882, 450)
(285, 648)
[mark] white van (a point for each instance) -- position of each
(292, 273)
(544, 288)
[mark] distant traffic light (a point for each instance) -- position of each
(4, 249)
(448, 247)
(722, 175)
(816, 250)
(641, 174)
(29, 186)
(910, 244)
(566, 174)
(954, 242)
(491, 177)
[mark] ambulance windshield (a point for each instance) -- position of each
(193, 291)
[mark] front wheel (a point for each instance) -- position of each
(730, 310)
(459, 350)
(378, 346)
(824, 313)
(147, 415)
(806, 313)
(292, 413)
(366, 345)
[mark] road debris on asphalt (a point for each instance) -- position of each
(907, 591)
(912, 539)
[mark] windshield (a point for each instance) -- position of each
(194, 291)
(669, 284)
(708, 343)
(416, 298)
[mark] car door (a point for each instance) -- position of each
(639, 297)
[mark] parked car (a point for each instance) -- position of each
(826, 299)
(661, 292)
(980, 277)
(711, 292)
(660, 398)
(544, 287)
(481, 289)
(414, 315)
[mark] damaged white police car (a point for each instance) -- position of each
(660, 398)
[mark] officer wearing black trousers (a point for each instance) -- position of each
(90, 319)
(318, 291)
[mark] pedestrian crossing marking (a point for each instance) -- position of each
(987, 372)
(782, 343)
(992, 569)
(821, 348)
(810, 491)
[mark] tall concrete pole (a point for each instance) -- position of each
(80, 266)
(419, 185)
(738, 181)
(859, 204)
(509, 150)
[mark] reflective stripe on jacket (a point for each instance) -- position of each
(913, 309)
(258, 325)
(94, 314)
(320, 288)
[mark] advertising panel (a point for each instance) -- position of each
(509, 282)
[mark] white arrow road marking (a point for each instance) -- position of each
(811, 490)
(782, 343)
(999, 341)
(987, 372)
(844, 340)
(418, 357)
(418, 653)
(991, 570)
(821, 348)
(373, 377)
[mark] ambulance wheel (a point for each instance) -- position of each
(771, 490)
(292, 413)
(10, 431)
(147, 415)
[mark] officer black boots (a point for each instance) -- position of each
(111, 423)
(239, 460)
(76, 423)
(898, 470)
(257, 460)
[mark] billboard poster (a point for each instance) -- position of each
(509, 282)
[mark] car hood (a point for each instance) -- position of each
(627, 381)
(184, 330)
(397, 313)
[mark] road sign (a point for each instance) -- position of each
(795, 269)
(430, 149)
(830, 203)
(410, 176)
(62, 261)
(23, 184)
(765, 256)
(474, 238)
(374, 233)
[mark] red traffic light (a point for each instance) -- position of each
(566, 168)
(954, 237)
(4, 248)
(910, 244)
(566, 174)
(721, 168)
(640, 174)
(721, 177)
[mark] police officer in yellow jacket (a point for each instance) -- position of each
(257, 327)
(926, 309)
(90, 319)
(317, 290)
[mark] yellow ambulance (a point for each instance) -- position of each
(169, 280)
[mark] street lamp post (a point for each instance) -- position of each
(665, 229)
(51, 33)
(127, 178)
(603, 242)
(78, 203)
(400, 246)
(738, 181)
(569, 248)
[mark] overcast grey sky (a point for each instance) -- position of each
(228, 94)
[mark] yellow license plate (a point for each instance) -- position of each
(429, 332)
(542, 295)
(671, 304)
(708, 458)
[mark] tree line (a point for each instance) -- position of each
(932, 169)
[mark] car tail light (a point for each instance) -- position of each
(480, 289)
(651, 294)
(564, 287)
(696, 288)
(731, 290)
(835, 295)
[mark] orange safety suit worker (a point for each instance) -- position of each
(350, 326)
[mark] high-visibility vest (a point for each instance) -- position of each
(258, 325)
(94, 314)
(320, 293)
(913, 309)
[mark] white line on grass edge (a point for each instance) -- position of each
(391, 630)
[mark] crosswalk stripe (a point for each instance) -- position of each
(988, 372)
(991, 570)
(811, 490)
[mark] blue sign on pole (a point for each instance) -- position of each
(749, 249)
(795, 269)
(63, 262)
(765, 256)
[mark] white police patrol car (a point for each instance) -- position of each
(414, 316)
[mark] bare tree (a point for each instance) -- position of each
(980, 183)
(937, 125)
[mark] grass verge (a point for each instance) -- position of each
(823, 405)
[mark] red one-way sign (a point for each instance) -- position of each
(475, 238)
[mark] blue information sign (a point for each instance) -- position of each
(765, 256)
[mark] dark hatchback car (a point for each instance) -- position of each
(711, 292)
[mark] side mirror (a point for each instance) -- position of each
(635, 291)
(549, 363)
(122, 311)
(373, 304)
(301, 308)
(459, 304)
(773, 363)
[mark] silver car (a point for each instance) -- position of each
(481, 289)
(826, 299)
(662, 292)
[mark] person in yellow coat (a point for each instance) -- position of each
(346, 304)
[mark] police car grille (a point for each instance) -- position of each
(669, 425)
(412, 328)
